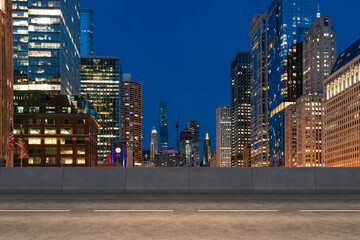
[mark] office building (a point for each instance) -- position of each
(58, 130)
(290, 136)
(223, 136)
(194, 128)
(167, 158)
(6, 80)
(100, 85)
(163, 122)
(341, 121)
(240, 107)
(319, 55)
(259, 91)
(288, 24)
(309, 111)
(186, 159)
(153, 144)
(207, 150)
(293, 74)
(131, 119)
(86, 32)
(47, 46)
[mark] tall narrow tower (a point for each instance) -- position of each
(131, 118)
(163, 122)
(207, 150)
(153, 144)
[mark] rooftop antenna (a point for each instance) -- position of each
(318, 13)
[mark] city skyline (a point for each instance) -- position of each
(217, 29)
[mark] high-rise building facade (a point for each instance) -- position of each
(6, 79)
(207, 150)
(309, 111)
(223, 136)
(292, 75)
(131, 119)
(288, 23)
(86, 32)
(240, 107)
(186, 159)
(290, 136)
(194, 128)
(100, 85)
(259, 91)
(342, 118)
(153, 144)
(319, 55)
(47, 45)
(163, 122)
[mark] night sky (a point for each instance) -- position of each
(181, 50)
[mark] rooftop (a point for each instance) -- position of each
(345, 57)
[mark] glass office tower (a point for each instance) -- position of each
(194, 128)
(46, 45)
(164, 135)
(259, 91)
(288, 23)
(240, 109)
(86, 32)
(101, 86)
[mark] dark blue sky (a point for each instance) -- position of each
(181, 50)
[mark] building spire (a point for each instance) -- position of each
(207, 136)
(318, 12)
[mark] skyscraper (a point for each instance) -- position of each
(163, 122)
(6, 79)
(223, 136)
(86, 32)
(207, 150)
(319, 55)
(186, 159)
(153, 144)
(100, 85)
(131, 118)
(194, 128)
(259, 91)
(240, 107)
(288, 23)
(47, 46)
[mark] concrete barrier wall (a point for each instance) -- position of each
(179, 180)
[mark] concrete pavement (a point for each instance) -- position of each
(179, 217)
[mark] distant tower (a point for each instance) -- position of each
(207, 149)
(185, 152)
(223, 136)
(153, 144)
(163, 122)
(194, 128)
(86, 32)
(131, 118)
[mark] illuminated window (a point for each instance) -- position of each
(34, 140)
(66, 131)
(65, 151)
(80, 161)
(34, 130)
(50, 140)
(34, 160)
(66, 160)
(81, 151)
(50, 130)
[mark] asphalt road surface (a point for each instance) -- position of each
(179, 217)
